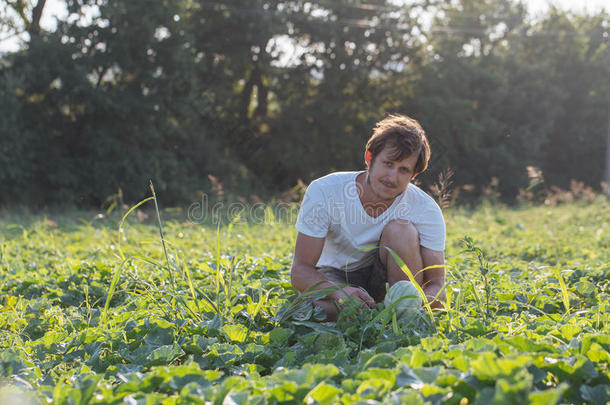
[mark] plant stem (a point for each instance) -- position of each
(169, 269)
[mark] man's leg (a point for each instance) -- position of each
(402, 237)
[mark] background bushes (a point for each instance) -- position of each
(262, 94)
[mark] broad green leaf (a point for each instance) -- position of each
(164, 354)
(590, 339)
(279, 336)
(527, 345)
(323, 394)
(584, 287)
(377, 373)
(598, 394)
(513, 389)
(428, 374)
(284, 392)
(549, 396)
(235, 333)
(408, 378)
(597, 354)
(569, 331)
(489, 367)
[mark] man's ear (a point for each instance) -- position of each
(414, 176)
(367, 157)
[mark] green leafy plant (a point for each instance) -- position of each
(484, 270)
(77, 327)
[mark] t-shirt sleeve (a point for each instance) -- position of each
(314, 219)
(431, 227)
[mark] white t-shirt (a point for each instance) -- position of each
(332, 209)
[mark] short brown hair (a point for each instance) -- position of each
(405, 135)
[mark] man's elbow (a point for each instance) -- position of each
(292, 276)
(295, 276)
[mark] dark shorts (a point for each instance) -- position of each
(369, 274)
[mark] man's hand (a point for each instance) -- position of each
(435, 299)
(304, 276)
(341, 295)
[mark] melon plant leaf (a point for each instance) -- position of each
(235, 333)
(407, 378)
(549, 396)
(323, 394)
(598, 394)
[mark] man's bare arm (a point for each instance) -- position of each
(434, 278)
(307, 251)
(304, 275)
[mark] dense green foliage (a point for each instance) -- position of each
(527, 318)
(263, 93)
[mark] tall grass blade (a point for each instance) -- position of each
(228, 284)
(208, 300)
(475, 293)
(564, 290)
(394, 322)
(261, 301)
(434, 266)
(219, 278)
(190, 282)
(169, 269)
(113, 284)
(123, 220)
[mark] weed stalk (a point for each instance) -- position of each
(169, 269)
(484, 269)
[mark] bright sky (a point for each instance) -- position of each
(56, 8)
(580, 6)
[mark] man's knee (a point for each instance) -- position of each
(399, 230)
(402, 237)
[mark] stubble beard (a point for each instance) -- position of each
(368, 181)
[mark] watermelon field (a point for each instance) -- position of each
(98, 311)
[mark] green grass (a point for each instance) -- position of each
(90, 314)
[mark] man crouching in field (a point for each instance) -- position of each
(344, 213)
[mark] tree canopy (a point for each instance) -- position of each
(263, 93)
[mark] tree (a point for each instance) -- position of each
(336, 88)
(113, 103)
(264, 93)
(463, 88)
(578, 61)
(20, 16)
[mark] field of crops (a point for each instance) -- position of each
(91, 315)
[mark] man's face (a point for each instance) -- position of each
(389, 178)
